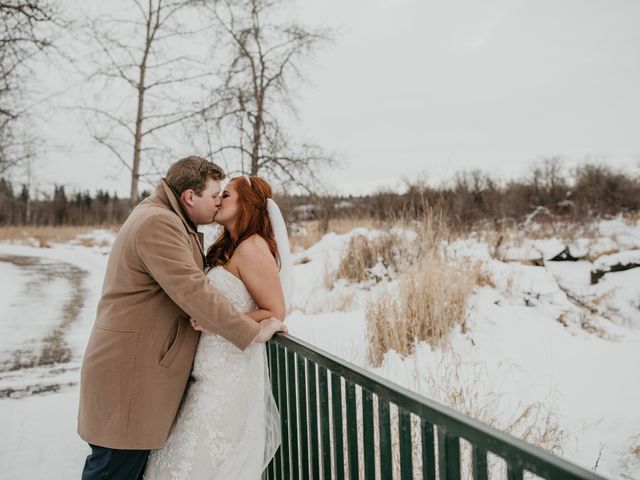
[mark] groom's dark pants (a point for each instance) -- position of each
(114, 464)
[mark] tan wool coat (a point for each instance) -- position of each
(141, 348)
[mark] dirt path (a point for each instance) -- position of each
(52, 353)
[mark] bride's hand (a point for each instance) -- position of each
(196, 326)
(268, 328)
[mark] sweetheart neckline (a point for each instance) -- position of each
(227, 271)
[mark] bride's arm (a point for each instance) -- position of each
(259, 272)
(259, 315)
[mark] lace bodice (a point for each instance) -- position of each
(231, 287)
(212, 348)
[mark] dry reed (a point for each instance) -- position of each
(364, 253)
(303, 235)
(472, 394)
(630, 460)
(634, 449)
(44, 236)
(431, 297)
(431, 300)
(475, 394)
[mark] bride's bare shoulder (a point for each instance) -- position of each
(251, 247)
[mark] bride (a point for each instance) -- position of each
(228, 425)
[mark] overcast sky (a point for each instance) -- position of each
(427, 88)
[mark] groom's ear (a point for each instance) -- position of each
(187, 197)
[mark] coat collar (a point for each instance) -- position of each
(166, 195)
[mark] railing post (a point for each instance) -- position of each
(479, 463)
(313, 424)
(367, 437)
(275, 378)
(304, 416)
(384, 430)
(352, 431)
(293, 415)
(449, 455)
(336, 408)
(406, 446)
(284, 413)
(428, 451)
(514, 472)
(324, 423)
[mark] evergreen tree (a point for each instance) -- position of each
(7, 202)
(59, 205)
(25, 205)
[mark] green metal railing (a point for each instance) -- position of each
(341, 421)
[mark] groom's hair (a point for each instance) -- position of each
(192, 173)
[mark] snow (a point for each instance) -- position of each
(589, 374)
(92, 260)
(39, 437)
(33, 297)
(537, 335)
(533, 249)
(38, 416)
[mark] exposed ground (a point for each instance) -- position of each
(42, 354)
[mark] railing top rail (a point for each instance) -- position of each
(510, 448)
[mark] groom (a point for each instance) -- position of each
(141, 348)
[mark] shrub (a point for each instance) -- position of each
(364, 253)
(432, 298)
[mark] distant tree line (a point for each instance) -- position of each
(474, 197)
(471, 198)
(62, 208)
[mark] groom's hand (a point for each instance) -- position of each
(268, 328)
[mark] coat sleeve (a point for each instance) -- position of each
(163, 246)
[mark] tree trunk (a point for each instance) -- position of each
(135, 167)
(137, 144)
(257, 137)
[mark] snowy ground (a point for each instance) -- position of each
(45, 290)
(541, 336)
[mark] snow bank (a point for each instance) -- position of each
(605, 262)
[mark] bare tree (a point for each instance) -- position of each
(244, 124)
(548, 180)
(142, 55)
(24, 33)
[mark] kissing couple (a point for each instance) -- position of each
(169, 312)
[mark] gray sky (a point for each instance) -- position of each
(425, 87)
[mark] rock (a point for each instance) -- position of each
(565, 256)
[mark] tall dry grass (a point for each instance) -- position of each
(629, 461)
(303, 235)
(431, 299)
(431, 296)
(44, 236)
(469, 389)
(634, 449)
(364, 253)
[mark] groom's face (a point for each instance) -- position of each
(202, 208)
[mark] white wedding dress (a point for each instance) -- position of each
(228, 425)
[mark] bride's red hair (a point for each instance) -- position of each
(252, 219)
